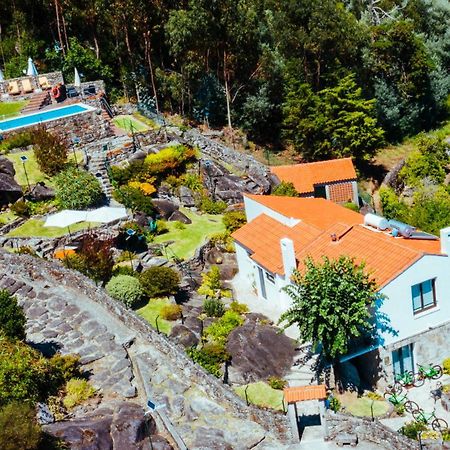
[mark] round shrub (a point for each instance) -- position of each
(213, 307)
(77, 189)
(126, 289)
(171, 312)
(159, 281)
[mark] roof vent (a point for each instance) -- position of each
(376, 221)
(401, 228)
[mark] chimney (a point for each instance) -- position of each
(445, 241)
(288, 255)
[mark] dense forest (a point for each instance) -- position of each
(331, 78)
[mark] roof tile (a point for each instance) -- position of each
(302, 393)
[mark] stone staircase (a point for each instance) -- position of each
(37, 102)
(97, 166)
(303, 372)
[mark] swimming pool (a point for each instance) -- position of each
(43, 117)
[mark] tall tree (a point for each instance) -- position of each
(331, 304)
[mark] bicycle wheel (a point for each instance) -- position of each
(388, 395)
(439, 425)
(411, 406)
(397, 388)
(439, 371)
(419, 380)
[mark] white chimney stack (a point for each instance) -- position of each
(288, 255)
(445, 241)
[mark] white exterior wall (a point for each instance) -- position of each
(254, 209)
(398, 304)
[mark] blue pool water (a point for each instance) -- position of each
(43, 116)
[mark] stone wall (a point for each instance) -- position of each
(367, 430)
(431, 346)
(52, 272)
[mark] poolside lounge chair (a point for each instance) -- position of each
(26, 86)
(13, 88)
(43, 82)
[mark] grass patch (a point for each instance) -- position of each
(152, 310)
(34, 173)
(10, 109)
(126, 122)
(361, 406)
(192, 236)
(35, 228)
(149, 122)
(261, 394)
(7, 217)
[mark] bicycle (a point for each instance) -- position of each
(431, 372)
(397, 399)
(437, 423)
(406, 378)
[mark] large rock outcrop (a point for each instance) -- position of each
(124, 427)
(10, 191)
(258, 351)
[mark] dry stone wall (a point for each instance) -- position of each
(195, 399)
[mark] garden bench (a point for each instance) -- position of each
(346, 439)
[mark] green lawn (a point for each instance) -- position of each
(150, 311)
(35, 228)
(126, 121)
(361, 406)
(262, 394)
(7, 217)
(9, 109)
(186, 241)
(34, 173)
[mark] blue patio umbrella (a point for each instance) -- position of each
(31, 70)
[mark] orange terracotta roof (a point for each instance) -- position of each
(299, 394)
(262, 237)
(318, 212)
(305, 176)
(385, 256)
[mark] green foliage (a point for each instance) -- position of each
(351, 206)
(192, 181)
(446, 435)
(93, 259)
(179, 225)
(209, 364)
(12, 318)
(393, 208)
(239, 308)
(209, 206)
(171, 312)
(330, 303)
(335, 404)
(125, 288)
(21, 209)
(334, 123)
(169, 160)
(211, 283)
(122, 175)
(213, 307)
(233, 220)
(411, 429)
(446, 366)
(124, 270)
(64, 367)
(18, 427)
(399, 409)
(219, 330)
(77, 189)
(374, 396)
(134, 199)
(285, 189)
(162, 228)
(427, 162)
(276, 383)
(159, 281)
(224, 241)
(18, 140)
(50, 151)
(77, 390)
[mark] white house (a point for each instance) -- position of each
(413, 273)
(334, 179)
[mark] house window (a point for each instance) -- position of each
(403, 359)
(270, 277)
(320, 192)
(423, 295)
